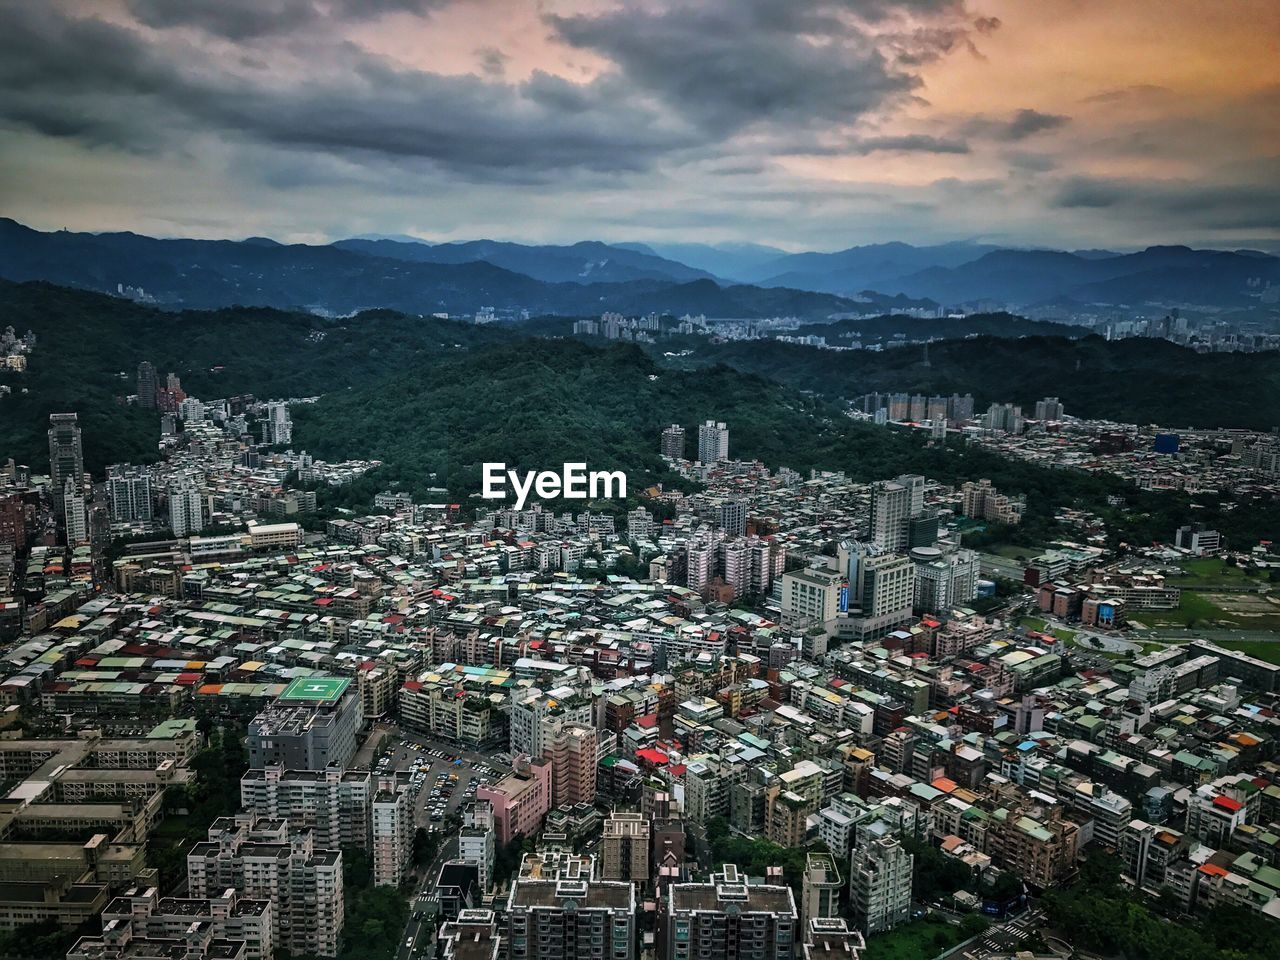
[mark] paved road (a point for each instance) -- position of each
(1002, 939)
(419, 934)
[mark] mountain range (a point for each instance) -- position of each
(590, 277)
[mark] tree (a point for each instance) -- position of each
(974, 925)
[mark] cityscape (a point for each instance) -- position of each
(838, 517)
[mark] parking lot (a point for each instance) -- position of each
(442, 779)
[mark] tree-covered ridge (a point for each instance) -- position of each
(89, 347)
(537, 404)
(1133, 381)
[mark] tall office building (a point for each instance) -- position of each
(75, 513)
(147, 384)
(713, 442)
(880, 885)
(881, 590)
(625, 847)
(729, 919)
(129, 492)
(186, 506)
(943, 580)
(311, 724)
(673, 442)
(894, 504)
(66, 455)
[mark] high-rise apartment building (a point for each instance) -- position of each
(573, 755)
(1050, 408)
(75, 513)
(391, 833)
(277, 425)
(1005, 417)
(186, 506)
(477, 840)
(640, 524)
(820, 888)
(332, 803)
(264, 859)
(713, 442)
(880, 885)
(624, 849)
(562, 914)
(129, 493)
(729, 919)
(731, 517)
(673, 442)
(147, 385)
(66, 455)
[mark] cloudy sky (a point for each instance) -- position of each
(809, 124)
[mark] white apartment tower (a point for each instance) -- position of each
(186, 506)
(713, 442)
(880, 885)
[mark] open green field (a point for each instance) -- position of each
(921, 940)
(1196, 609)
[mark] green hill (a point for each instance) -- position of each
(1139, 380)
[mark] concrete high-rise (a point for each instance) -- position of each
(477, 841)
(563, 914)
(147, 384)
(820, 888)
(880, 885)
(713, 442)
(673, 442)
(75, 513)
(66, 455)
(265, 859)
(391, 833)
(186, 506)
(573, 755)
(729, 918)
(129, 493)
(894, 504)
(625, 847)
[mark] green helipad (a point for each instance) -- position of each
(319, 689)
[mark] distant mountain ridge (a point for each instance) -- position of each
(337, 279)
(586, 278)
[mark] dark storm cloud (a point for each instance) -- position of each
(685, 80)
(105, 84)
(911, 143)
(245, 19)
(1206, 205)
(731, 64)
(1028, 122)
(1021, 125)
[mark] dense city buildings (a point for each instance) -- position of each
(545, 731)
